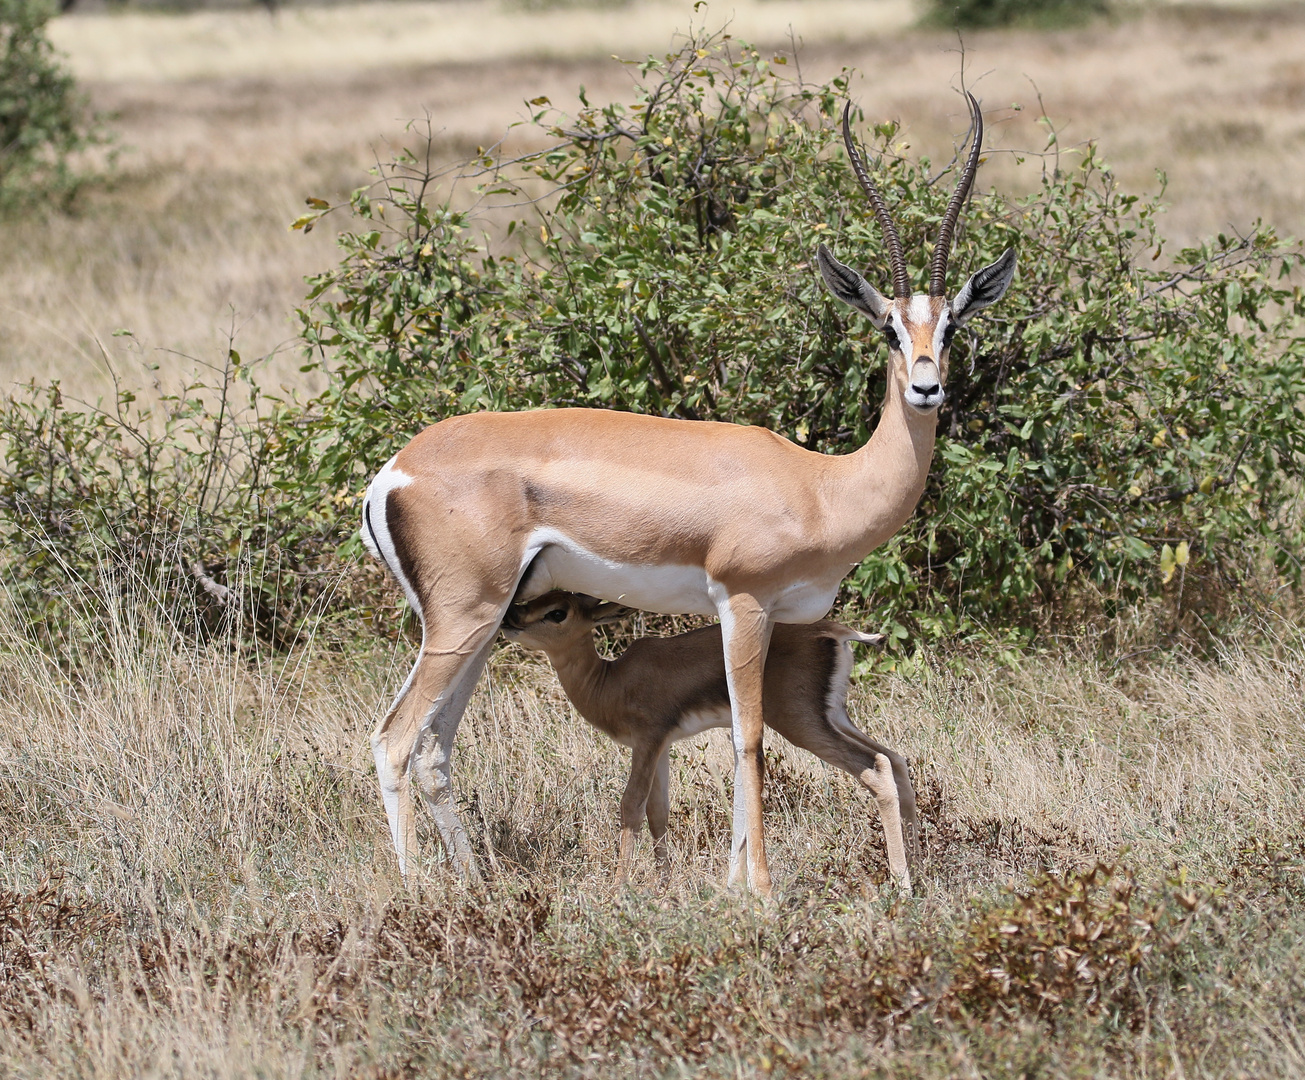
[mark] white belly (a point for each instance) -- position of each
(702, 720)
(558, 562)
(805, 601)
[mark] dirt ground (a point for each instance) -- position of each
(191, 241)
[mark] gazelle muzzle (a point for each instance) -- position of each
(925, 391)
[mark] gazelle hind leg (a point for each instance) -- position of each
(879, 779)
(392, 743)
(842, 724)
(822, 735)
(428, 695)
(433, 756)
(396, 794)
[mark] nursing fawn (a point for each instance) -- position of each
(663, 689)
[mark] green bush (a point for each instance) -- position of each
(1121, 426)
(173, 501)
(43, 120)
(1119, 419)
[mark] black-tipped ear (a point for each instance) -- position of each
(985, 287)
(852, 288)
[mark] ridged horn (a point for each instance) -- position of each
(901, 280)
(942, 249)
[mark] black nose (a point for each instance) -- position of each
(925, 391)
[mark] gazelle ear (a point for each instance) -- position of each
(985, 287)
(610, 613)
(852, 288)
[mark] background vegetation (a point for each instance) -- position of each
(1042, 14)
(1125, 426)
(44, 120)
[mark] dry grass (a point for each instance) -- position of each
(219, 898)
(357, 37)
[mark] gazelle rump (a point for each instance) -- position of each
(663, 689)
(667, 515)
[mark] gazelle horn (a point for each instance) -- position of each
(941, 250)
(901, 280)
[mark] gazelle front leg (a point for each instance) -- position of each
(738, 827)
(637, 800)
(745, 629)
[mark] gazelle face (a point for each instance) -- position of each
(918, 329)
(919, 335)
(557, 618)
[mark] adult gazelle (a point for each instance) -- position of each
(672, 516)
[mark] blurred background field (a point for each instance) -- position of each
(229, 120)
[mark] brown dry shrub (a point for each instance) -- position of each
(38, 930)
(652, 979)
(1079, 941)
(1266, 866)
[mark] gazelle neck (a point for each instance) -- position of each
(583, 675)
(881, 483)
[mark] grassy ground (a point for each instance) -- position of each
(198, 881)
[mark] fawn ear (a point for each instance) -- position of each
(610, 613)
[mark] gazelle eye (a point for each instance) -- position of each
(948, 334)
(557, 615)
(890, 335)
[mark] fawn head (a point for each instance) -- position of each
(558, 619)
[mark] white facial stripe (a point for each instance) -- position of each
(899, 327)
(920, 314)
(939, 332)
